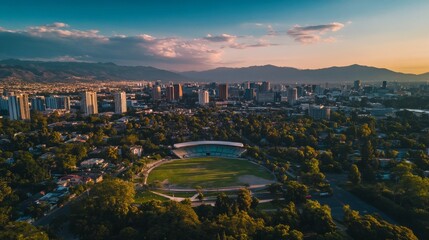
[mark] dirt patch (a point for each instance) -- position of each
(253, 180)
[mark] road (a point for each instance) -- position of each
(58, 212)
(342, 197)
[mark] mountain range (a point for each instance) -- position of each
(39, 71)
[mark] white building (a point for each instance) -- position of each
(19, 108)
(120, 102)
(292, 96)
(88, 104)
(203, 97)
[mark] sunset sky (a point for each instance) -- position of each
(196, 35)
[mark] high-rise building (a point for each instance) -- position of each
(177, 91)
(357, 85)
(14, 112)
(203, 97)
(319, 112)
(384, 84)
(58, 102)
(4, 103)
(169, 93)
(156, 93)
(223, 91)
(19, 108)
(292, 95)
(120, 99)
(38, 103)
(265, 97)
(249, 94)
(265, 87)
(88, 103)
(246, 85)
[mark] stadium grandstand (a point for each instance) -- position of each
(208, 148)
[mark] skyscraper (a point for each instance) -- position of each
(169, 93)
(58, 102)
(120, 102)
(38, 103)
(88, 104)
(203, 97)
(156, 93)
(4, 103)
(265, 87)
(177, 91)
(249, 94)
(357, 85)
(292, 95)
(223, 91)
(246, 85)
(19, 108)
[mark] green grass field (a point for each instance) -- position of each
(209, 172)
(145, 196)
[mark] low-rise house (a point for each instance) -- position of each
(137, 150)
(93, 162)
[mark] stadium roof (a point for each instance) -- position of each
(196, 143)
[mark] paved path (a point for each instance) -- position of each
(177, 199)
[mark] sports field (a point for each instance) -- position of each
(209, 172)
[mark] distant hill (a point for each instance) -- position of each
(37, 71)
(292, 75)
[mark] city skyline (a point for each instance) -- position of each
(199, 36)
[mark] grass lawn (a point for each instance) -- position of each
(266, 206)
(177, 194)
(145, 196)
(210, 172)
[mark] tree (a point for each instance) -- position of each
(288, 215)
(55, 138)
(364, 131)
(66, 162)
(22, 230)
(354, 175)
(27, 170)
(112, 154)
(238, 226)
(5, 190)
(295, 192)
(367, 152)
(172, 220)
(104, 210)
(244, 199)
(280, 231)
(317, 217)
(369, 227)
(225, 205)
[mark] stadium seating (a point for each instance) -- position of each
(208, 148)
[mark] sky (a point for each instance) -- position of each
(198, 35)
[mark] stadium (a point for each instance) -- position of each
(208, 148)
(211, 165)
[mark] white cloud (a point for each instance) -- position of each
(314, 34)
(58, 41)
(221, 38)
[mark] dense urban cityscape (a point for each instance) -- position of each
(325, 140)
